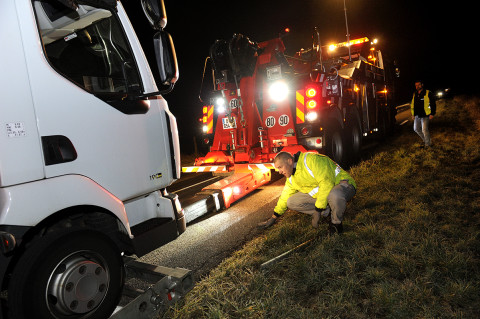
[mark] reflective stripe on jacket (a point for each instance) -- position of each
(315, 175)
(426, 104)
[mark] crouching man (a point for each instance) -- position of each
(315, 185)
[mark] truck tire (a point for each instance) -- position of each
(336, 146)
(67, 274)
(354, 140)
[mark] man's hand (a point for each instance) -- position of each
(319, 212)
(269, 222)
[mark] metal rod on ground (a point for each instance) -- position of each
(284, 255)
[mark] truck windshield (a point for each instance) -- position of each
(88, 46)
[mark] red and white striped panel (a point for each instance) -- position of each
(202, 169)
(262, 166)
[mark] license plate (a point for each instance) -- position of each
(227, 125)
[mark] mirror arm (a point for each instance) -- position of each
(166, 91)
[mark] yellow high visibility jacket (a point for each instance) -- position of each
(315, 175)
(426, 103)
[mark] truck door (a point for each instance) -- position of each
(21, 155)
(86, 78)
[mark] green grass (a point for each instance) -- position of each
(411, 246)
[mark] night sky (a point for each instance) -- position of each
(431, 41)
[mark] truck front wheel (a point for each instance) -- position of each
(67, 274)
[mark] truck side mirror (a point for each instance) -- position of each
(166, 58)
(155, 12)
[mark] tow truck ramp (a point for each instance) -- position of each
(240, 180)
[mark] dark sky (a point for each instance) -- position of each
(430, 40)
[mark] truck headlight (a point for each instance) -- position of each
(220, 104)
(278, 91)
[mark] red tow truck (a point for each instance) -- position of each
(326, 99)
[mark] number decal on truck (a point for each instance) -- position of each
(270, 121)
(234, 103)
(283, 120)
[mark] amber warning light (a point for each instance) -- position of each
(332, 47)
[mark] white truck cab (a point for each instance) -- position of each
(87, 148)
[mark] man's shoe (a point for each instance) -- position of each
(335, 228)
(315, 219)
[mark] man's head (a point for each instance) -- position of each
(284, 163)
(419, 85)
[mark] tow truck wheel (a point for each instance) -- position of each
(354, 135)
(77, 274)
(336, 148)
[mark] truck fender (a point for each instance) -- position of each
(29, 204)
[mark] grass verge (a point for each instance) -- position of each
(411, 247)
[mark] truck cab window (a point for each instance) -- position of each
(88, 46)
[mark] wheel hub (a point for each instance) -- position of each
(77, 285)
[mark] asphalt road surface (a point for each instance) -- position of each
(213, 237)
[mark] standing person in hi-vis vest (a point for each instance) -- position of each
(315, 185)
(423, 107)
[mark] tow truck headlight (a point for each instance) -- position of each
(220, 104)
(204, 128)
(278, 91)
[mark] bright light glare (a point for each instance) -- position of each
(220, 101)
(312, 116)
(332, 47)
(220, 104)
(236, 190)
(205, 128)
(227, 192)
(278, 91)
